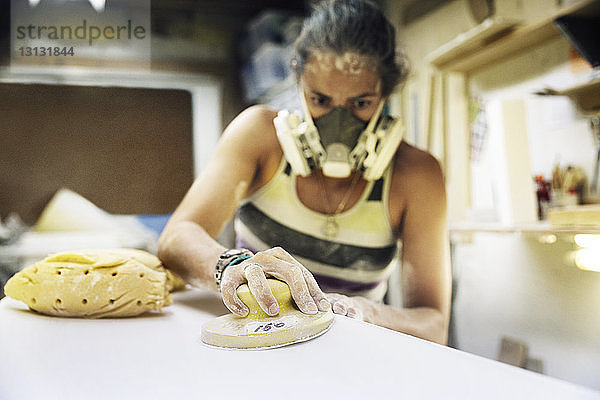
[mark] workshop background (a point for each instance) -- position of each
(502, 92)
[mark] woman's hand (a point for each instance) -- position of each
(278, 263)
(345, 305)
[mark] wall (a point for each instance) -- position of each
(510, 284)
(556, 130)
(128, 150)
(415, 101)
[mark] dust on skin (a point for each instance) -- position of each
(348, 62)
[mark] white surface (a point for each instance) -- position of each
(160, 356)
(512, 285)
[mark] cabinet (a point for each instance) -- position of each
(497, 38)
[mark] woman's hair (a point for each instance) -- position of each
(355, 26)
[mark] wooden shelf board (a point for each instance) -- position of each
(585, 96)
(464, 55)
(471, 41)
(520, 39)
(541, 228)
(583, 88)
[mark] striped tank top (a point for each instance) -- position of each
(356, 262)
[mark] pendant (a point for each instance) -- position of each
(330, 228)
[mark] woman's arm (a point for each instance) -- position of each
(426, 323)
(246, 158)
(423, 322)
(187, 245)
(426, 270)
(418, 211)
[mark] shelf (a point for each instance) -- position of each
(469, 43)
(585, 96)
(539, 228)
(495, 40)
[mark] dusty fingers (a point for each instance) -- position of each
(233, 277)
(344, 305)
(259, 287)
(314, 291)
(279, 264)
(292, 275)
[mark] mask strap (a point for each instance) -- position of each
(307, 116)
(375, 116)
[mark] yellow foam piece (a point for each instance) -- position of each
(174, 282)
(94, 284)
(259, 330)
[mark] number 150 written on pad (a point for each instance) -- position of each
(276, 325)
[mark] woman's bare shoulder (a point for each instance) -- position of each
(252, 131)
(413, 163)
(252, 136)
(256, 118)
(260, 112)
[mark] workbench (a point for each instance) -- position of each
(160, 356)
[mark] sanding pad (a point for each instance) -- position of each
(259, 330)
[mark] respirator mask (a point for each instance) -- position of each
(338, 142)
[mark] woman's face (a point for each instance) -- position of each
(349, 80)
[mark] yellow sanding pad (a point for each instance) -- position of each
(258, 330)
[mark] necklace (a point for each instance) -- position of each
(330, 227)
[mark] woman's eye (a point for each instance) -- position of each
(361, 104)
(320, 101)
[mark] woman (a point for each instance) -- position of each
(326, 220)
